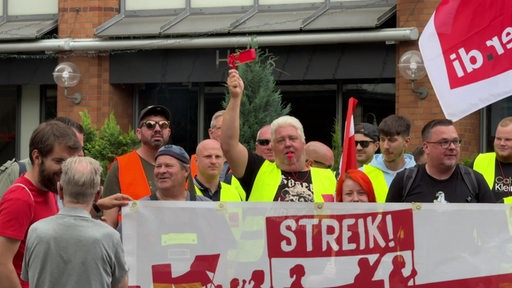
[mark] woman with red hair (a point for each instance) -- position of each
(354, 186)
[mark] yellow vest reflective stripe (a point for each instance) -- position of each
(227, 193)
(269, 177)
(485, 163)
(380, 187)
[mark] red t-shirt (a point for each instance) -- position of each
(19, 210)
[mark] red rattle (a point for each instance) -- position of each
(241, 57)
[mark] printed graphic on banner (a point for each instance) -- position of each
(170, 244)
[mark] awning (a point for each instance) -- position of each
(26, 29)
(242, 22)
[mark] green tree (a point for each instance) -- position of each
(109, 142)
(336, 145)
(261, 102)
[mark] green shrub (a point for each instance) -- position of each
(109, 142)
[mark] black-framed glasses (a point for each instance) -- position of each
(263, 142)
(364, 143)
(151, 124)
(446, 143)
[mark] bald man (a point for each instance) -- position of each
(319, 155)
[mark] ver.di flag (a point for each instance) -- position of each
(467, 50)
(348, 157)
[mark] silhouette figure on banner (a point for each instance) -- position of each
(257, 279)
(364, 279)
(396, 276)
(297, 272)
(197, 276)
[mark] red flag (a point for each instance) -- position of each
(348, 157)
(469, 63)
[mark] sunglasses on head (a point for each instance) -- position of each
(364, 143)
(151, 124)
(263, 142)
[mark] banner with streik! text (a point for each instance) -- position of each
(212, 244)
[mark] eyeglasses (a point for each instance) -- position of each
(364, 143)
(151, 124)
(446, 143)
(263, 142)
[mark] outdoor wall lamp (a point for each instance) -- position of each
(411, 67)
(66, 75)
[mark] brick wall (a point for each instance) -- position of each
(78, 19)
(416, 13)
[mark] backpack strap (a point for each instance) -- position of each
(23, 167)
(469, 178)
(410, 174)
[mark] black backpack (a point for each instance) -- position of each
(467, 174)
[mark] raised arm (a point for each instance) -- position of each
(236, 154)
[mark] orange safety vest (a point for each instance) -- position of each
(132, 179)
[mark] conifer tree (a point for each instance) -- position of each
(261, 101)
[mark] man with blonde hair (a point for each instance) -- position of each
(286, 179)
(54, 243)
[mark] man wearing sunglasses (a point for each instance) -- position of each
(367, 143)
(132, 173)
(263, 145)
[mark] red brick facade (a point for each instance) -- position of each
(416, 13)
(79, 19)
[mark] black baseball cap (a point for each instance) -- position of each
(367, 130)
(155, 110)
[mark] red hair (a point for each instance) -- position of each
(360, 178)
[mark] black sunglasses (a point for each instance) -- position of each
(151, 124)
(364, 143)
(263, 142)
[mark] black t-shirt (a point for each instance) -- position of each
(425, 188)
(502, 186)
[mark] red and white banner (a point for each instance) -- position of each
(360, 245)
(467, 50)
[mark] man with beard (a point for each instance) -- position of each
(12, 169)
(32, 197)
(132, 173)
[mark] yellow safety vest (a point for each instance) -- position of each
(227, 193)
(485, 163)
(380, 187)
(269, 177)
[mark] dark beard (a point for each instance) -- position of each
(47, 179)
